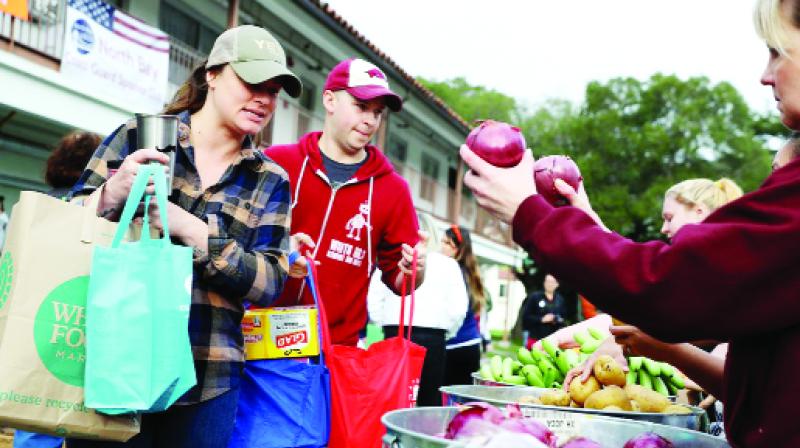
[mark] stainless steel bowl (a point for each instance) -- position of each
(501, 396)
(478, 380)
(419, 427)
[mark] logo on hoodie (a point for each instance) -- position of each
(358, 222)
(346, 252)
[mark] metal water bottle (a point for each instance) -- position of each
(159, 132)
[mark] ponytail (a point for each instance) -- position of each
(191, 95)
(711, 194)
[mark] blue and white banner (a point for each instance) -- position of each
(114, 54)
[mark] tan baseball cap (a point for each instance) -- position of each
(255, 56)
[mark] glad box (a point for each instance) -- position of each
(289, 332)
(254, 331)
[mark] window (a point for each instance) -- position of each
(264, 138)
(430, 175)
(186, 28)
(397, 151)
(306, 102)
(430, 166)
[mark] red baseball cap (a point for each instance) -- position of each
(363, 80)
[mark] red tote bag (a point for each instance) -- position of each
(365, 384)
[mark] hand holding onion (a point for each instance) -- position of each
(499, 190)
(503, 146)
(501, 170)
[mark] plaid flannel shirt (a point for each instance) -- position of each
(248, 219)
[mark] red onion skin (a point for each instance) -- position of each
(547, 169)
(498, 143)
(648, 440)
(581, 442)
(473, 410)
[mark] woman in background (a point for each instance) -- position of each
(464, 349)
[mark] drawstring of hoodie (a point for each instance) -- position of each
(369, 227)
(299, 181)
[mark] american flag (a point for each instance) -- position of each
(123, 25)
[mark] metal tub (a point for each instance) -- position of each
(478, 380)
(419, 427)
(501, 396)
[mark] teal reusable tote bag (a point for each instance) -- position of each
(138, 354)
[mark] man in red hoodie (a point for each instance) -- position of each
(349, 206)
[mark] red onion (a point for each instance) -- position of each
(648, 440)
(547, 169)
(472, 411)
(498, 143)
(581, 442)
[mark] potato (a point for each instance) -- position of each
(555, 397)
(579, 391)
(608, 371)
(647, 400)
(572, 404)
(676, 409)
(610, 396)
(612, 408)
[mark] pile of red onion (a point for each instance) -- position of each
(483, 425)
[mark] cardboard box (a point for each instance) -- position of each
(290, 332)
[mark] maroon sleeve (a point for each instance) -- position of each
(733, 275)
(402, 227)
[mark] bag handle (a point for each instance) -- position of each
(143, 175)
(413, 278)
(89, 217)
(313, 287)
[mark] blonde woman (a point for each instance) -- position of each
(687, 202)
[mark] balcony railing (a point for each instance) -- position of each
(43, 33)
(182, 60)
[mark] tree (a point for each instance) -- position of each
(474, 102)
(634, 139)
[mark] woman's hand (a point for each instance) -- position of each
(579, 199)
(298, 242)
(118, 186)
(638, 343)
(582, 371)
(499, 190)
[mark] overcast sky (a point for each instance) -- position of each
(536, 49)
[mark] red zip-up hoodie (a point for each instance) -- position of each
(734, 277)
(358, 225)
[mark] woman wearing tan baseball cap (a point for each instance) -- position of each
(230, 204)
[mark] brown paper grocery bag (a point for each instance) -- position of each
(44, 275)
